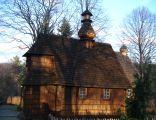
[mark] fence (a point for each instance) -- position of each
(15, 100)
(151, 117)
(52, 117)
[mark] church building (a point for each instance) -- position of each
(68, 77)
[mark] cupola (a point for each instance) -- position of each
(86, 31)
(124, 50)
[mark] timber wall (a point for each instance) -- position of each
(39, 99)
(65, 101)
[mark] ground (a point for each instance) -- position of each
(8, 112)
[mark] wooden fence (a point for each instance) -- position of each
(14, 100)
(52, 117)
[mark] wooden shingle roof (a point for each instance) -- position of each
(128, 67)
(77, 65)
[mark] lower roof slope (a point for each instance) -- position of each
(78, 66)
(128, 67)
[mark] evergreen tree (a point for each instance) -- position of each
(18, 69)
(65, 29)
(11, 78)
(137, 104)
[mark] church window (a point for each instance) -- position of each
(106, 93)
(82, 93)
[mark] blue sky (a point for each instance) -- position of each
(117, 10)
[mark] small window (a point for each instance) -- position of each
(82, 93)
(129, 93)
(106, 93)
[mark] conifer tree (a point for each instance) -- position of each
(137, 104)
(65, 29)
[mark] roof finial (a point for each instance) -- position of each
(86, 4)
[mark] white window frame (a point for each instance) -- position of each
(106, 93)
(129, 93)
(82, 93)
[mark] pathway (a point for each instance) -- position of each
(8, 112)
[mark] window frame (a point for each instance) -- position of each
(106, 93)
(82, 93)
(129, 93)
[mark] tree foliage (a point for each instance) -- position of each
(11, 78)
(19, 70)
(7, 85)
(136, 105)
(65, 28)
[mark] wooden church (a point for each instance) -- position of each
(69, 77)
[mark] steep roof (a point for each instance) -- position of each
(128, 67)
(77, 65)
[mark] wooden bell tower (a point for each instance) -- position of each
(86, 32)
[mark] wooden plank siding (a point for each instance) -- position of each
(44, 64)
(65, 101)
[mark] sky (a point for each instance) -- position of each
(117, 10)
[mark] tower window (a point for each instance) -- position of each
(106, 93)
(82, 93)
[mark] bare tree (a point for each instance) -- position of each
(139, 31)
(29, 18)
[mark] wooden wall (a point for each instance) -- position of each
(93, 104)
(43, 99)
(63, 100)
(40, 64)
(31, 101)
(55, 98)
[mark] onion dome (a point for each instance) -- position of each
(124, 50)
